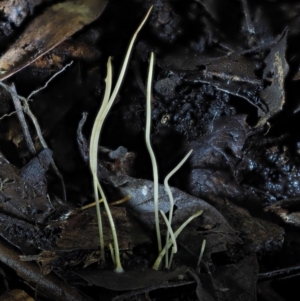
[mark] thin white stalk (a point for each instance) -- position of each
(150, 150)
(171, 199)
(173, 239)
(171, 259)
(112, 253)
(50, 80)
(106, 105)
(201, 254)
(127, 56)
(93, 153)
(119, 268)
(176, 233)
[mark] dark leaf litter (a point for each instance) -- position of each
(225, 85)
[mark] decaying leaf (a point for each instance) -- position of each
(57, 23)
(212, 177)
(288, 210)
(60, 240)
(34, 173)
(211, 225)
(233, 74)
(15, 11)
(64, 51)
(237, 282)
(257, 234)
(20, 234)
(214, 159)
(52, 287)
(79, 230)
(16, 295)
(275, 72)
(18, 198)
(129, 280)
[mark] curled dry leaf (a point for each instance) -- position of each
(56, 24)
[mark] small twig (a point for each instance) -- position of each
(19, 110)
(81, 140)
(207, 81)
(8, 115)
(118, 202)
(12, 91)
(27, 110)
(280, 274)
(22, 120)
(47, 83)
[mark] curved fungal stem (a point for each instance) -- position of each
(150, 150)
(93, 152)
(176, 233)
(108, 101)
(171, 199)
(201, 255)
(170, 231)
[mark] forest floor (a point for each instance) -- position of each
(225, 85)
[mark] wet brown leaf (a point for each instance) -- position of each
(18, 198)
(16, 295)
(233, 74)
(211, 225)
(129, 280)
(56, 24)
(80, 230)
(237, 282)
(63, 52)
(51, 286)
(257, 234)
(215, 157)
(288, 210)
(73, 240)
(275, 71)
(15, 11)
(20, 234)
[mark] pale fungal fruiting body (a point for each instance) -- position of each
(169, 244)
(150, 150)
(171, 237)
(105, 107)
(94, 152)
(201, 255)
(108, 100)
(168, 190)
